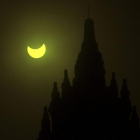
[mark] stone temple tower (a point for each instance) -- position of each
(87, 108)
(89, 68)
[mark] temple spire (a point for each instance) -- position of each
(45, 131)
(113, 87)
(125, 92)
(66, 87)
(89, 28)
(55, 94)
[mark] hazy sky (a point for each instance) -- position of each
(26, 83)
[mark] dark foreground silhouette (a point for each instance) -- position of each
(89, 110)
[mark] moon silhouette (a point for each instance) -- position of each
(36, 53)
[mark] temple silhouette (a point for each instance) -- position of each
(88, 109)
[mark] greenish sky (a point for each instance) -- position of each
(26, 83)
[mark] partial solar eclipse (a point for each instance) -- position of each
(37, 53)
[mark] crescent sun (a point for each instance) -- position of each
(36, 53)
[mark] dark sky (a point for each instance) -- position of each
(26, 83)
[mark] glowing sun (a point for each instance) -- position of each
(37, 53)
